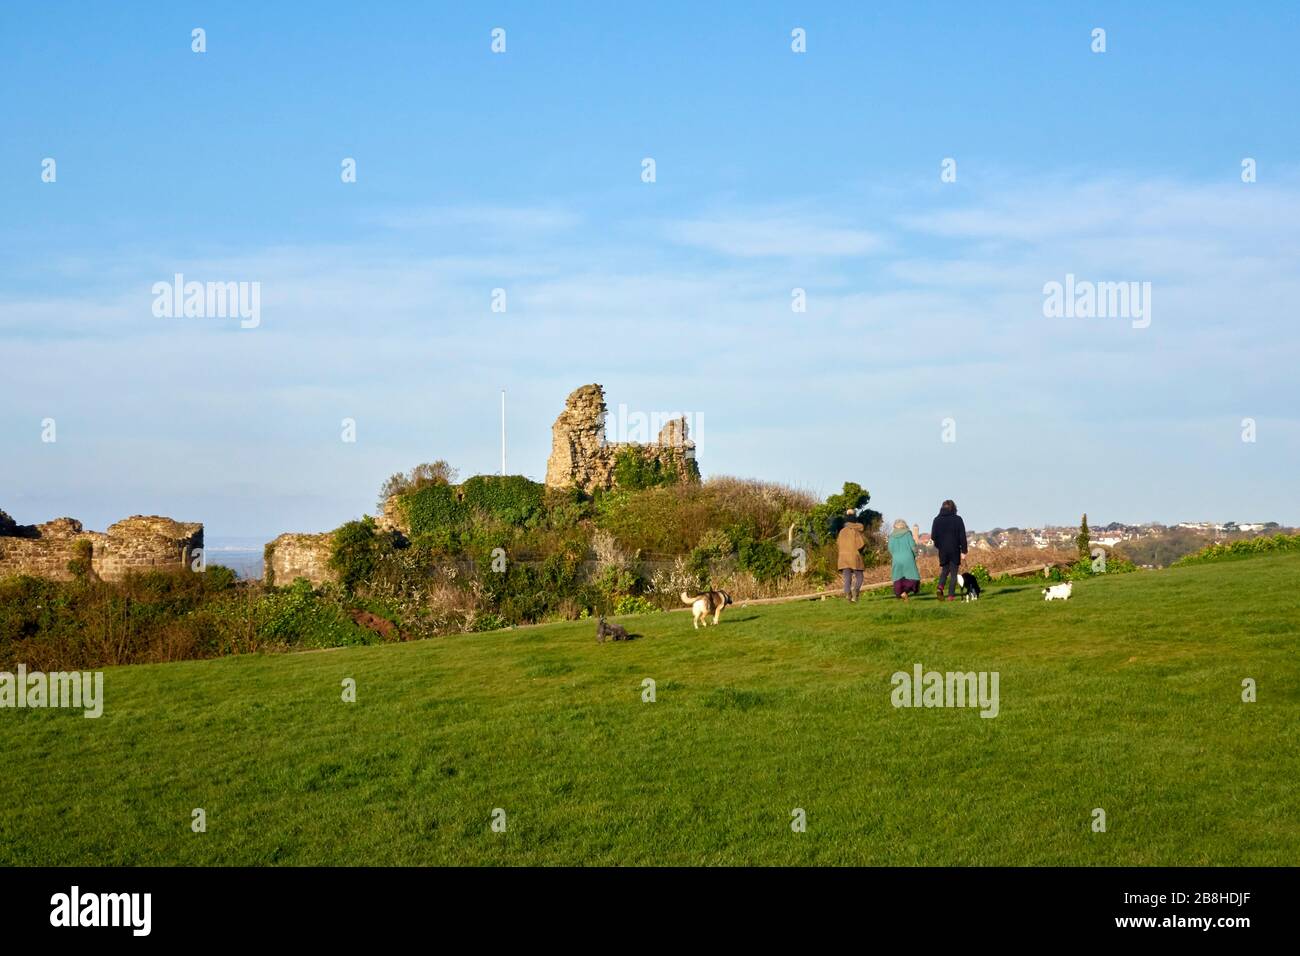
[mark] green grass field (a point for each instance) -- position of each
(1127, 698)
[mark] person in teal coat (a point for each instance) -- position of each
(902, 548)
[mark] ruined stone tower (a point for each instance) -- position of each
(138, 543)
(582, 458)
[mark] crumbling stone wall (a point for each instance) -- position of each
(581, 457)
(307, 556)
(147, 542)
(138, 543)
(392, 517)
(292, 556)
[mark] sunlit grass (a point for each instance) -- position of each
(1126, 698)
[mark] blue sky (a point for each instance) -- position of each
(775, 170)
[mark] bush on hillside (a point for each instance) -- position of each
(634, 604)
(566, 507)
(512, 499)
(218, 577)
(356, 552)
(154, 616)
(80, 567)
(296, 616)
(635, 471)
(1118, 564)
(675, 519)
(764, 560)
(1245, 548)
(430, 473)
(432, 510)
(824, 521)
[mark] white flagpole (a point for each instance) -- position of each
(503, 433)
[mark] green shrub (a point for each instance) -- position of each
(436, 472)
(566, 507)
(1245, 548)
(218, 577)
(824, 521)
(29, 607)
(161, 616)
(488, 622)
(764, 560)
(716, 543)
(439, 541)
(1118, 564)
(635, 470)
(561, 572)
(432, 510)
(699, 564)
(1081, 568)
(81, 567)
(614, 582)
(298, 617)
(674, 519)
(633, 604)
(355, 552)
(517, 579)
(511, 498)
(526, 608)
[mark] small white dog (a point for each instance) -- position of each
(1058, 592)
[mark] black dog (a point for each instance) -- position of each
(614, 632)
(970, 585)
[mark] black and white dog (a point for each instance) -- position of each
(970, 586)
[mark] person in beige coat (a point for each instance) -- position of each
(850, 542)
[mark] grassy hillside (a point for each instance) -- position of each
(1127, 698)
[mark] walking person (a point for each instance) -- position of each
(904, 573)
(850, 541)
(948, 535)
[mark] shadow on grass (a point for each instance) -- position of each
(734, 619)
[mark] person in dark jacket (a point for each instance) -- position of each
(948, 535)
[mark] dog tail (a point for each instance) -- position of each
(687, 599)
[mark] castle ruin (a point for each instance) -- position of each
(581, 457)
(138, 543)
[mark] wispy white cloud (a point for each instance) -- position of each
(508, 220)
(775, 235)
(1075, 208)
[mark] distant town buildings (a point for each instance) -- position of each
(1115, 533)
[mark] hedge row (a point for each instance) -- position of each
(1245, 548)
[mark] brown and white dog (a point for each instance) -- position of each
(702, 605)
